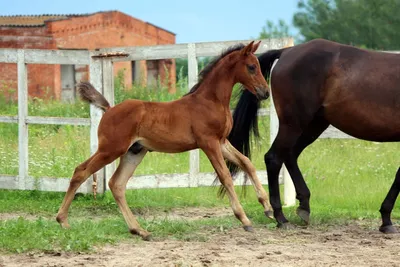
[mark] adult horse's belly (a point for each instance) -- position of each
(365, 119)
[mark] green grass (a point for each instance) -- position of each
(98, 222)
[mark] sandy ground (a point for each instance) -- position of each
(351, 245)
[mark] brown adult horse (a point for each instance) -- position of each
(314, 85)
(200, 119)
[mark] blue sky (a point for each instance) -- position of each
(192, 21)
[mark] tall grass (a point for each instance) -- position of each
(55, 150)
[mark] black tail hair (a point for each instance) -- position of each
(245, 126)
(245, 122)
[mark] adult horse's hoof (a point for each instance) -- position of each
(303, 214)
(286, 226)
(269, 214)
(248, 228)
(388, 229)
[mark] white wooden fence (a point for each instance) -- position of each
(101, 76)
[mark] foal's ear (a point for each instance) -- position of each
(255, 47)
(247, 49)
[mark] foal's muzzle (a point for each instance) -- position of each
(262, 93)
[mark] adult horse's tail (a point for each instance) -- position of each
(89, 94)
(245, 115)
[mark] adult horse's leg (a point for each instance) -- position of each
(117, 184)
(212, 148)
(232, 154)
(388, 204)
(309, 135)
(281, 147)
(82, 172)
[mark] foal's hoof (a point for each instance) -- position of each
(269, 214)
(388, 229)
(286, 226)
(248, 228)
(147, 237)
(303, 214)
(63, 223)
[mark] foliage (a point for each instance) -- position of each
(271, 30)
(182, 66)
(363, 23)
(156, 93)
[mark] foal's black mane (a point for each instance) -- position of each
(210, 66)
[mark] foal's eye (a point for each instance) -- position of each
(252, 68)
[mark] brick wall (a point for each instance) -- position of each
(8, 80)
(100, 30)
(41, 78)
(112, 29)
(26, 37)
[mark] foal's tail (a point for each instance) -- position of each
(245, 114)
(89, 94)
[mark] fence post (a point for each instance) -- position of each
(96, 79)
(289, 192)
(22, 114)
(194, 159)
(108, 92)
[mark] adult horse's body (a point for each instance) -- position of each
(200, 119)
(317, 84)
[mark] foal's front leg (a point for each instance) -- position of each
(233, 155)
(213, 151)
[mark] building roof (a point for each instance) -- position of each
(40, 20)
(33, 20)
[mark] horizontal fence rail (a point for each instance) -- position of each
(177, 180)
(47, 120)
(206, 49)
(36, 56)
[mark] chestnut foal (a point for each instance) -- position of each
(200, 119)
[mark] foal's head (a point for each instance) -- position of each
(248, 71)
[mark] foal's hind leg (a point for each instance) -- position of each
(82, 172)
(213, 151)
(387, 206)
(117, 184)
(233, 155)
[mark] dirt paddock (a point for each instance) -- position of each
(355, 244)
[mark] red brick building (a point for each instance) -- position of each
(80, 31)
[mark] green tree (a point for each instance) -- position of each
(367, 23)
(272, 30)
